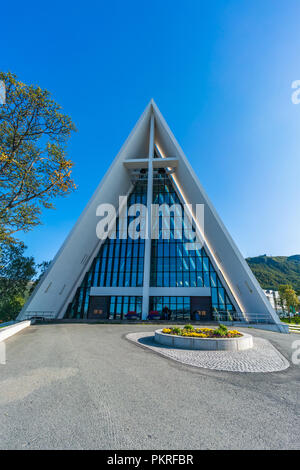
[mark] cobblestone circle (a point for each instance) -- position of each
(263, 357)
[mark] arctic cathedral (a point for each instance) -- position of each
(113, 276)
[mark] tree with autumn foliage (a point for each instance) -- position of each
(34, 168)
(288, 298)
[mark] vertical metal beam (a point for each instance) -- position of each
(147, 254)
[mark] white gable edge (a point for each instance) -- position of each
(66, 270)
(232, 264)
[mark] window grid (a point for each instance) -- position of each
(171, 264)
(119, 262)
(180, 307)
(121, 305)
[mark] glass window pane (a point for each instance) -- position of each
(186, 279)
(214, 296)
(199, 280)
(192, 279)
(206, 279)
(205, 264)
(213, 279)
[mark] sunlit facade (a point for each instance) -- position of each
(120, 278)
(120, 263)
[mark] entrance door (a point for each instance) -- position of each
(201, 308)
(98, 307)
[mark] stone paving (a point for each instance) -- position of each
(263, 357)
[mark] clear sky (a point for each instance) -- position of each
(221, 74)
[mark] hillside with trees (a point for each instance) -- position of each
(272, 271)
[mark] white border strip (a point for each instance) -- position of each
(11, 330)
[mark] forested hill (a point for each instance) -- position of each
(271, 271)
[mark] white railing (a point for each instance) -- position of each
(260, 318)
(218, 316)
(38, 314)
(251, 318)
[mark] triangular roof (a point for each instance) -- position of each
(57, 287)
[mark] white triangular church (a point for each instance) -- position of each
(117, 278)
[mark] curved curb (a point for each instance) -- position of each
(262, 358)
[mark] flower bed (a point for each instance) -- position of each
(213, 339)
(188, 330)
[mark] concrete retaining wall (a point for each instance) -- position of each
(213, 344)
(11, 330)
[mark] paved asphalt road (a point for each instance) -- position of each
(84, 386)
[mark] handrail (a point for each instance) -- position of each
(47, 314)
(218, 316)
(252, 318)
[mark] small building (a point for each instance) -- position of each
(274, 299)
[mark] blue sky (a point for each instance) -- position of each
(221, 74)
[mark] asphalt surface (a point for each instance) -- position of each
(84, 386)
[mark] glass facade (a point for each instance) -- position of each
(120, 261)
(172, 265)
(180, 307)
(120, 306)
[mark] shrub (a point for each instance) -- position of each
(222, 330)
(189, 327)
(176, 330)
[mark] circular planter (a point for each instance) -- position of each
(212, 344)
